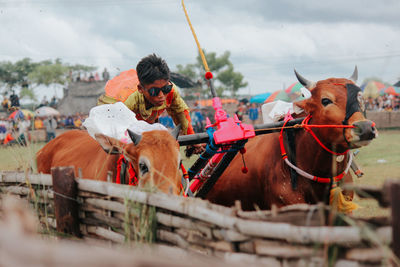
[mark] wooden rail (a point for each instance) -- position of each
(124, 215)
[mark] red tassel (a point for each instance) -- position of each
(245, 169)
(208, 75)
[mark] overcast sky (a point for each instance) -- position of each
(267, 39)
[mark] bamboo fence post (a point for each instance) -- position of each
(65, 200)
(395, 200)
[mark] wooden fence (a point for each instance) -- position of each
(289, 236)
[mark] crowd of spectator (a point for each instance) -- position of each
(90, 77)
(385, 102)
(14, 131)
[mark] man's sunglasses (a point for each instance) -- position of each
(155, 91)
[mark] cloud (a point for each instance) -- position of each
(267, 39)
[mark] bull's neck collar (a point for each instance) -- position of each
(314, 162)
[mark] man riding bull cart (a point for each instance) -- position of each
(151, 92)
(148, 92)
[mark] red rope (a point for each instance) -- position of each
(337, 178)
(307, 127)
(186, 177)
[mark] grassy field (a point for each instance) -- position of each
(379, 161)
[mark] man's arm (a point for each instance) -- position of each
(179, 112)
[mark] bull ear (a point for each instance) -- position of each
(134, 137)
(300, 104)
(306, 83)
(109, 144)
(306, 105)
(354, 76)
(175, 131)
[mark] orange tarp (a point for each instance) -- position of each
(123, 85)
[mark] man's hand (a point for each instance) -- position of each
(194, 149)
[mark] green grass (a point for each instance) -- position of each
(17, 157)
(379, 161)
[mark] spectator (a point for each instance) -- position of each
(38, 123)
(3, 128)
(14, 100)
(51, 125)
(166, 120)
(53, 102)
(77, 122)
(9, 139)
(5, 104)
(253, 113)
(106, 75)
(240, 112)
(96, 77)
(44, 102)
(23, 126)
(197, 119)
(69, 122)
(91, 77)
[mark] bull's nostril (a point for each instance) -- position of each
(357, 130)
(374, 132)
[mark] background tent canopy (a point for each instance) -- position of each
(259, 98)
(123, 85)
(294, 88)
(372, 89)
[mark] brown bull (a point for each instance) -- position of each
(154, 156)
(334, 101)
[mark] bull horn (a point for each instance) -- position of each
(306, 83)
(354, 76)
(134, 137)
(175, 131)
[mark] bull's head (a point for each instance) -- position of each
(338, 101)
(154, 155)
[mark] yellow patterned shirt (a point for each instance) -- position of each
(174, 105)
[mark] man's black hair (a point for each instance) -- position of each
(152, 68)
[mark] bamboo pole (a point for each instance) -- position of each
(248, 259)
(25, 191)
(194, 237)
(106, 234)
(394, 200)
(279, 249)
(17, 250)
(104, 219)
(21, 177)
(172, 238)
(106, 204)
(179, 222)
(229, 235)
(371, 255)
(205, 212)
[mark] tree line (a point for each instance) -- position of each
(26, 75)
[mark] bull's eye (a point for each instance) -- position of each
(326, 101)
(143, 168)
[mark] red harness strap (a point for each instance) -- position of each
(132, 175)
(337, 178)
